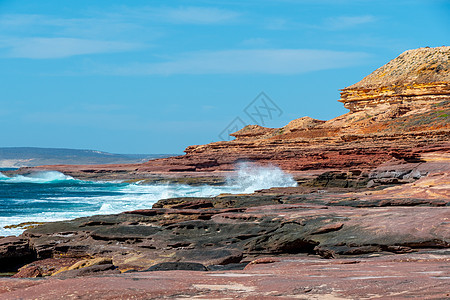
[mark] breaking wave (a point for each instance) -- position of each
(52, 196)
(38, 177)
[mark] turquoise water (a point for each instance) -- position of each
(51, 196)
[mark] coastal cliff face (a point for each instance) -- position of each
(395, 112)
(355, 140)
(415, 77)
(398, 113)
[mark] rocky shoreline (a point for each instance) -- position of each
(352, 230)
(369, 217)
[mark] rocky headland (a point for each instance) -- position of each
(398, 113)
(368, 219)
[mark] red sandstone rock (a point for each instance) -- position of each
(402, 276)
(264, 260)
(30, 272)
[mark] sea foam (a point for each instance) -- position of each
(54, 196)
(38, 177)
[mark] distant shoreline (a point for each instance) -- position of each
(18, 157)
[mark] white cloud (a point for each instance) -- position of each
(47, 48)
(255, 42)
(175, 15)
(278, 24)
(344, 22)
(259, 61)
(82, 27)
(196, 15)
(12, 21)
(46, 36)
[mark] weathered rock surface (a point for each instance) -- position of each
(14, 252)
(401, 276)
(230, 229)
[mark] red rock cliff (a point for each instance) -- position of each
(400, 111)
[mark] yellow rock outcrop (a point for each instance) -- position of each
(415, 77)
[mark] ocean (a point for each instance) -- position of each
(52, 196)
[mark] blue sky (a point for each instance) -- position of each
(158, 76)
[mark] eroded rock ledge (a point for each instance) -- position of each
(415, 77)
(400, 111)
(230, 231)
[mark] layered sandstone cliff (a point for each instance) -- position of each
(416, 76)
(399, 112)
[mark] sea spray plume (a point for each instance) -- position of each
(66, 198)
(252, 177)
